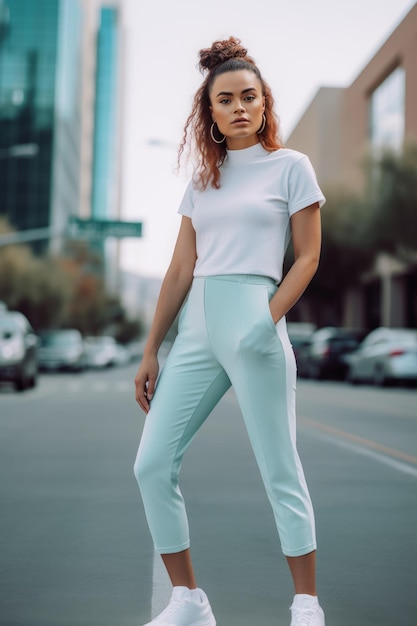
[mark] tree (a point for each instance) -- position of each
(343, 259)
(356, 228)
(60, 292)
(34, 286)
(391, 199)
(345, 255)
(129, 330)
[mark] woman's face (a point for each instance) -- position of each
(237, 105)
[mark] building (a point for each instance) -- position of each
(61, 85)
(380, 106)
(39, 113)
(318, 134)
(101, 108)
(340, 127)
(105, 189)
(101, 122)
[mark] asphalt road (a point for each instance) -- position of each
(74, 545)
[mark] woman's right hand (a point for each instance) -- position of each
(145, 380)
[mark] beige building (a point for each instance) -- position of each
(380, 106)
(318, 134)
(343, 125)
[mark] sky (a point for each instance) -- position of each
(299, 46)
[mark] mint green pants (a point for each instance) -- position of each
(226, 337)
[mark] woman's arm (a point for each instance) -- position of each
(306, 236)
(175, 287)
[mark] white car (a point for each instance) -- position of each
(101, 351)
(62, 349)
(385, 355)
(18, 350)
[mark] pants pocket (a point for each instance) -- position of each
(268, 294)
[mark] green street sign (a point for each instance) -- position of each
(99, 229)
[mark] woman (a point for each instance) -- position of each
(247, 196)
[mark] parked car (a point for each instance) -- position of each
(18, 350)
(102, 351)
(136, 349)
(326, 355)
(62, 350)
(300, 336)
(384, 356)
(123, 354)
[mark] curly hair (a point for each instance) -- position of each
(224, 56)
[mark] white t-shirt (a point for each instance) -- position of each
(244, 227)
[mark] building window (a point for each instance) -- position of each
(387, 112)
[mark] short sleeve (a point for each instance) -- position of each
(303, 188)
(187, 203)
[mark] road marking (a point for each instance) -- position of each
(161, 586)
(366, 447)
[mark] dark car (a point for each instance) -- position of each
(62, 350)
(300, 334)
(18, 350)
(326, 354)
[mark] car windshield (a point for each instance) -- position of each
(345, 341)
(59, 339)
(7, 327)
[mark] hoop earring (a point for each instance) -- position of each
(212, 135)
(262, 128)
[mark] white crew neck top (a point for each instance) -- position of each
(244, 227)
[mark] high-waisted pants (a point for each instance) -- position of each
(226, 337)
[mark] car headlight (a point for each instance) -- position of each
(14, 350)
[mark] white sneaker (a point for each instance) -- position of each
(187, 607)
(306, 611)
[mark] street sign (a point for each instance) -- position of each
(99, 229)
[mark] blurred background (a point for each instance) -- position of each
(94, 95)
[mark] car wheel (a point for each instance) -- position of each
(33, 381)
(21, 382)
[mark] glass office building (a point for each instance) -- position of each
(104, 184)
(39, 112)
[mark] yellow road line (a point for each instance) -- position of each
(362, 441)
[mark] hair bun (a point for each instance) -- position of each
(222, 51)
